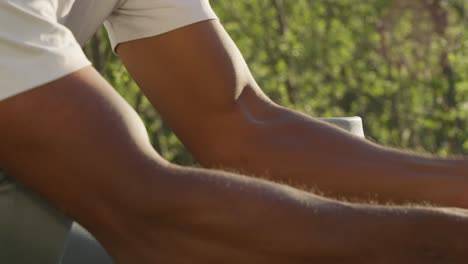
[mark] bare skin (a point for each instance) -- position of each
(79, 144)
(198, 80)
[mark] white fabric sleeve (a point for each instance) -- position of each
(136, 19)
(34, 48)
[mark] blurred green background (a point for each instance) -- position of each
(402, 65)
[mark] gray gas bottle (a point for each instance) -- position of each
(351, 124)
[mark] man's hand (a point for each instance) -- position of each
(198, 80)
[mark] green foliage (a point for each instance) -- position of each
(401, 65)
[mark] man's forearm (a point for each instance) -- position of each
(293, 148)
(212, 215)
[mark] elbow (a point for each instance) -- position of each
(232, 139)
(227, 143)
(227, 138)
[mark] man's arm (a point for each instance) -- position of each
(198, 80)
(80, 145)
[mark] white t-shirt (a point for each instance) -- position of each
(40, 40)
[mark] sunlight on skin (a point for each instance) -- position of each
(251, 134)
